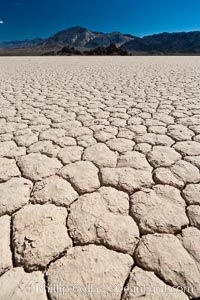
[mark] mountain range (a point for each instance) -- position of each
(21, 44)
(84, 39)
(73, 37)
(180, 42)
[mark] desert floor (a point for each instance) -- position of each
(99, 178)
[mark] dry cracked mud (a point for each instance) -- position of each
(99, 178)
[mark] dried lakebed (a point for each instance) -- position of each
(99, 178)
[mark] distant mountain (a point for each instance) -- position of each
(181, 42)
(82, 37)
(73, 37)
(20, 44)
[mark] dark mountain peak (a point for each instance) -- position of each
(177, 42)
(74, 36)
(72, 30)
(77, 28)
(78, 36)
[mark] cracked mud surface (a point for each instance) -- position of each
(99, 178)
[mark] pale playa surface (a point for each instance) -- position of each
(99, 178)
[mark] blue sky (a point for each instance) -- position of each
(20, 19)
